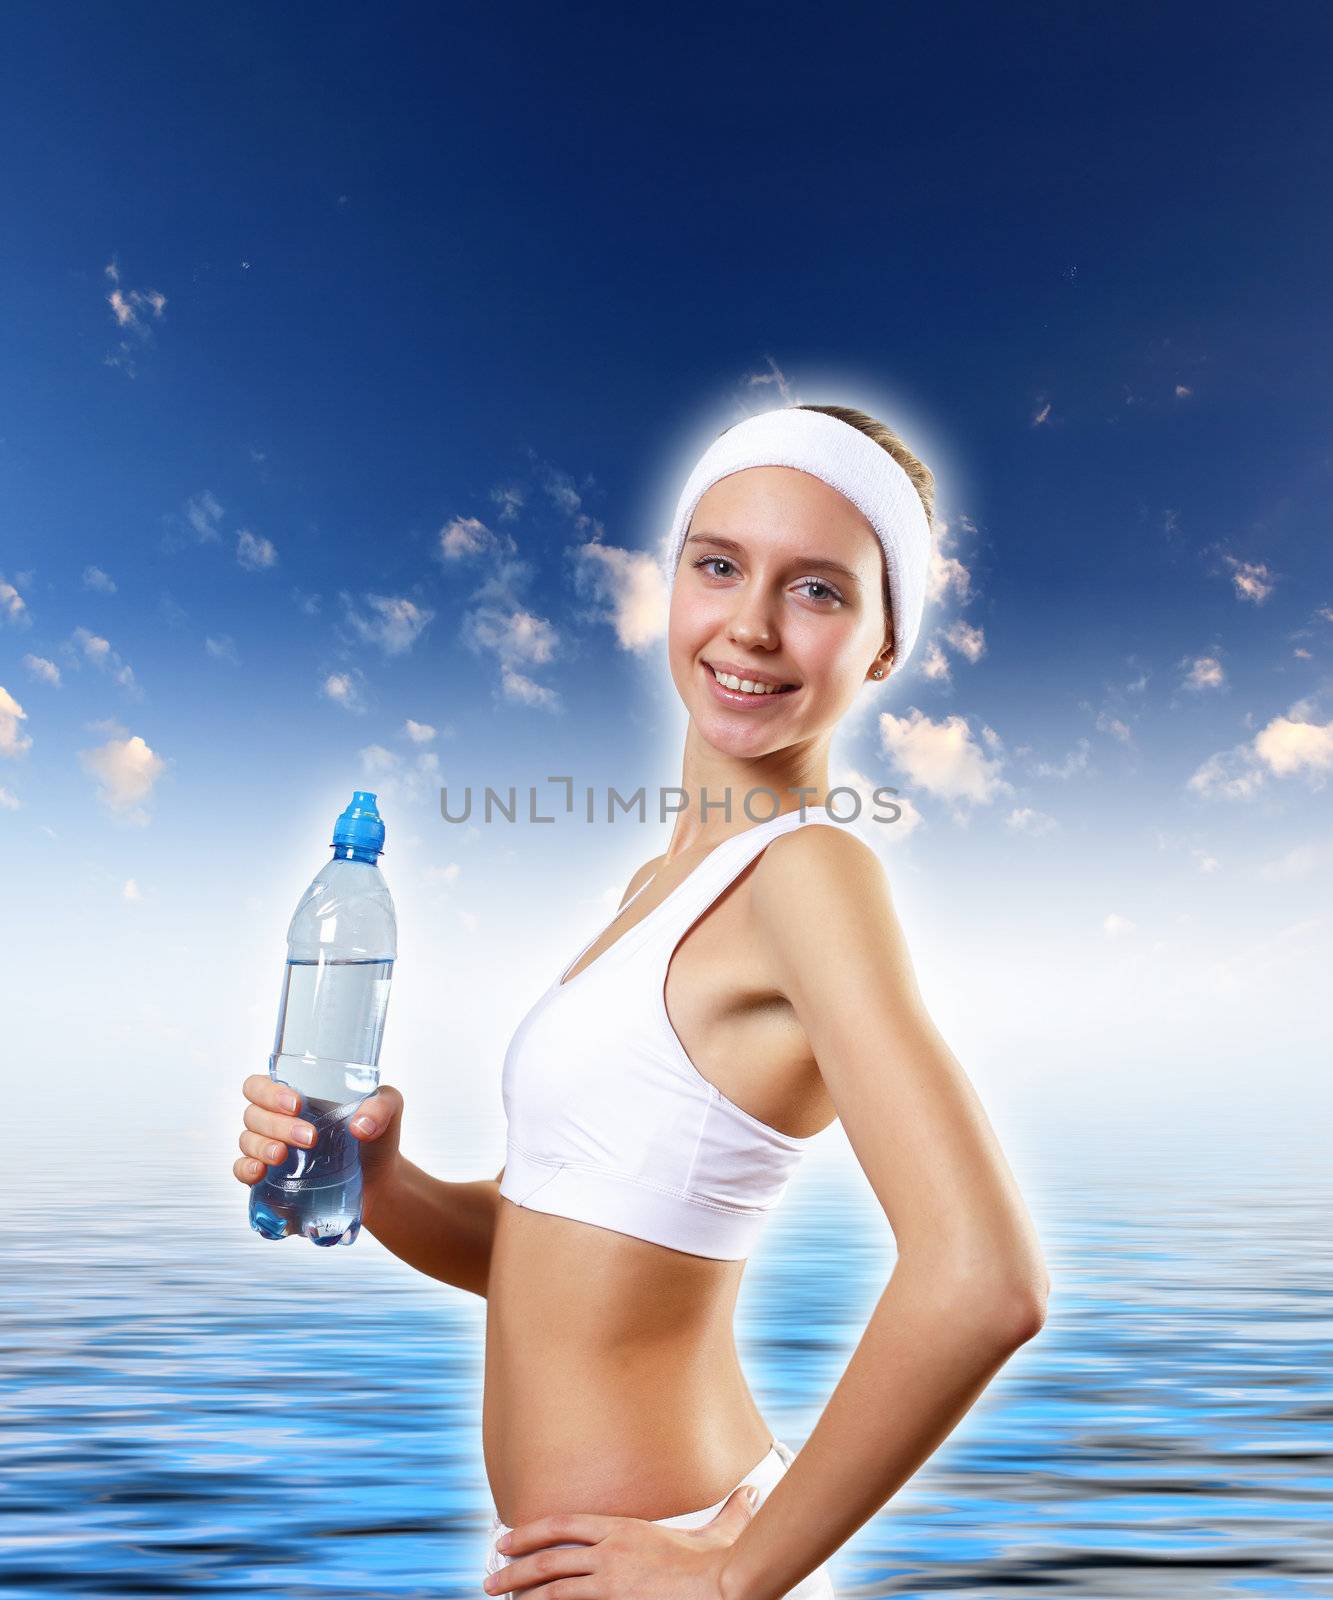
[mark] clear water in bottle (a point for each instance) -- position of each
(335, 995)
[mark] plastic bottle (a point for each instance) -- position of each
(341, 947)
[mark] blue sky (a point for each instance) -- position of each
(353, 363)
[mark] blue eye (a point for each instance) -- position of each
(830, 593)
(827, 587)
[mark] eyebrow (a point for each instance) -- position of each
(829, 565)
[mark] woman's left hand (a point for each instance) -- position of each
(620, 1555)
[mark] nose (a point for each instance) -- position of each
(751, 622)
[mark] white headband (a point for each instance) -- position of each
(848, 461)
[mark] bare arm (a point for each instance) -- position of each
(440, 1228)
(969, 1286)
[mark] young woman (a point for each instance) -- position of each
(753, 986)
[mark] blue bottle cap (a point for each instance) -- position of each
(360, 824)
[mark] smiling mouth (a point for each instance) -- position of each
(737, 684)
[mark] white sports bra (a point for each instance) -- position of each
(610, 1122)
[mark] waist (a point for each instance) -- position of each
(593, 1292)
(649, 1466)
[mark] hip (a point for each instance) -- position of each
(817, 1585)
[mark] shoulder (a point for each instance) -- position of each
(821, 865)
(824, 909)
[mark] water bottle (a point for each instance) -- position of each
(341, 946)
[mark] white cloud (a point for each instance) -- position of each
(1292, 744)
(126, 769)
(1287, 746)
(254, 552)
(469, 539)
(1116, 926)
(462, 537)
(411, 780)
(945, 574)
(8, 800)
(131, 891)
(629, 587)
(499, 622)
(13, 741)
(1076, 761)
(99, 652)
(1205, 672)
(344, 689)
(1024, 819)
(560, 487)
(518, 687)
(1231, 774)
(204, 513)
(12, 604)
(1252, 580)
(1301, 861)
(95, 578)
(223, 648)
(418, 732)
(934, 664)
(942, 757)
(128, 306)
(510, 499)
(515, 636)
(396, 624)
(966, 640)
(43, 670)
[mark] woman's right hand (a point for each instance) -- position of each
(273, 1124)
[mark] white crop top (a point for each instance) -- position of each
(610, 1122)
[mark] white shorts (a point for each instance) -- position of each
(817, 1585)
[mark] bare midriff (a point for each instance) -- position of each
(612, 1378)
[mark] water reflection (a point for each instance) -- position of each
(188, 1406)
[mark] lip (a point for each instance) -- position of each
(738, 697)
(752, 673)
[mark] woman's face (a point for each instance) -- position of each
(781, 579)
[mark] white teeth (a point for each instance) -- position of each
(744, 684)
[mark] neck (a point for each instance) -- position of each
(724, 794)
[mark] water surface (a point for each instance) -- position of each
(188, 1407)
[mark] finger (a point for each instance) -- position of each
(541, 1567)
(581, 1586)
(291, 1130)
(265, 1150)
(260, 1088)
(248, 1170)
(741, 1503)
(562, 1527)
(381, 1109)
(372, 1118)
